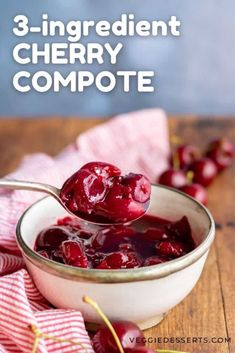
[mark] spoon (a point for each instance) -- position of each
(55, 192)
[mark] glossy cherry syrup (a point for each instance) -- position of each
(146, 242)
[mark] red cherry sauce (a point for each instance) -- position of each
(146, 242)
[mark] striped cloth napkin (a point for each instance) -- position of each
(135, 142)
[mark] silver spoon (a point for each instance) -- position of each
(52, 191)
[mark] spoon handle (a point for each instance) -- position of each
(29, 185)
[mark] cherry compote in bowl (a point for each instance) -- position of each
(141, 294)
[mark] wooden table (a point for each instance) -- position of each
(209, 311)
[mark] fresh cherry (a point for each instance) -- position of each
(204, 171)
(99, 193)
(197, 191)
(129, 334)
(221, 151)
(185, 155)
(173, 178)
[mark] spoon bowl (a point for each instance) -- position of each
(104, 221)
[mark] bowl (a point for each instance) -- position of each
(142, 295)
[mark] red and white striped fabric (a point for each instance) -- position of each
(135, 142)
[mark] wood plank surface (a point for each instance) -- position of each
(209, 311)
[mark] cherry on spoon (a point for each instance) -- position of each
(97, 193)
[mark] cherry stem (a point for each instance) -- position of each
(39, 334)
(190, 175)
(90, 301)
(175, 161)
(175, 140)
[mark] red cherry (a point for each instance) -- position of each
(90, 250)
(127, 247)
(119, 205)
(173, 178)
(103, 265)
(118, 260)
(65, 221)
(82, 190)
(110, 238)
(51, 237)
(171, 248)
(44, 253)
(204, 171)
(84, 234)
(103, 169)
(96, 259)
(180, 230)
(153, 260)
(73, 254)
(185, 155)
(139, 185)
(221, 152)
(87, 186)
(155, 234)
(129, 334)
(197, 191)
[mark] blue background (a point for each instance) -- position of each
(194, 73)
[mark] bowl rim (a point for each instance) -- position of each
(117, 275)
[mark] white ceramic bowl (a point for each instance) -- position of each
(142, 295)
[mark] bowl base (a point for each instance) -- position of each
(143, 325)
(153, 321)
